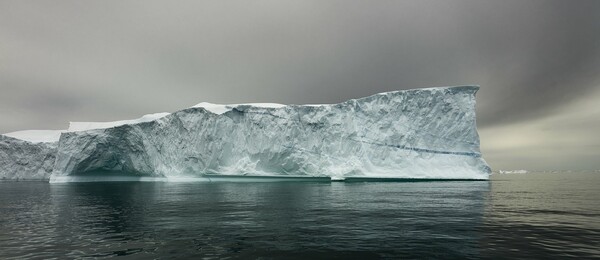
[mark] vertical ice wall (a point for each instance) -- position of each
(25, 160)
(420, 133)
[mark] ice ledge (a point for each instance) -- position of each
(220, 109)
(52, 136)
(83, 126)
(36, 136)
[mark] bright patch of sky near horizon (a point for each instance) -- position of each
(536, 61)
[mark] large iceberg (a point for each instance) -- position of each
(418, 134)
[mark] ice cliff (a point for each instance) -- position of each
(26, 160)
(421, 133)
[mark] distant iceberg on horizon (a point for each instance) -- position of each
(512, 171)
(425, 133)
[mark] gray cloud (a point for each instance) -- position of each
(563, 140)
(64, 60)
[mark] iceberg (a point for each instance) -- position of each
(512, 171)
(411, 134)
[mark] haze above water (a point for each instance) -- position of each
(534, 215)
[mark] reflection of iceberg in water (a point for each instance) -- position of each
(226, 218)
(414, 134)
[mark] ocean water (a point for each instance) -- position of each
(534, 215)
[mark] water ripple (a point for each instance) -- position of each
(513, 217)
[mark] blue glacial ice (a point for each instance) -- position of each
(422, 133)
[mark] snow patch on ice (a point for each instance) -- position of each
(37, 136)
(220, 108)
(83, 126)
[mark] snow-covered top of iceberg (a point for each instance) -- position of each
(83, 126)
(51, 136)
(220, 108)
(37, 136)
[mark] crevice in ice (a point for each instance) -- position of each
(417, 149)
(256, 112)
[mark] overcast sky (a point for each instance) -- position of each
(538, 63)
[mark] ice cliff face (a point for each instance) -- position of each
(422, 133)
(25, 160)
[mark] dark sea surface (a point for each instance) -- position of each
(534, 215)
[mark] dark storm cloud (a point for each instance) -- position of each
(529, 56)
